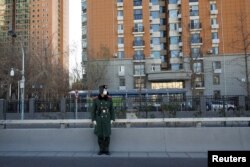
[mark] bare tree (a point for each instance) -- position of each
(45, 76)
(242, 44)
(95, 69)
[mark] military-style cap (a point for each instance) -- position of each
(102, 87)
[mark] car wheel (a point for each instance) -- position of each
(230, 109)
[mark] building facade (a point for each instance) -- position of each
(193, 45)
(38, 23)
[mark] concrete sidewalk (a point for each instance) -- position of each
(91, 159)
(113, 154)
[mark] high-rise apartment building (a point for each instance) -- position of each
(189, 45)
(38, 23)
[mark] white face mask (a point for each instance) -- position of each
(105, 92)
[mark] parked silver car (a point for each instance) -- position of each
(218, 105)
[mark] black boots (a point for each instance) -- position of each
(104, 145)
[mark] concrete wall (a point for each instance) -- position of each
(128, 139)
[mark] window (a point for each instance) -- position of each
(217, 67)
(155, 41)
(167, 85)
(195, 24)
(139, 55)
(174, 53)
(197, 67)
(120, 54)
(174, 40)
(213, 6)
(120, 27)
(139, 83)
(216, 79)
(215, 50)
(172, 1)
(217, 94)
(137, 14)
(194, 10)
(138, 41)
(139, 69)
(155, 2)
(213, 21)
(120, 40)
(173, 14)
(155, 27)
(138, 27)
(137, 2)
(195, 52)
(175, 67)
(214, 35)
(156, 54)
(121, 69)
(122, 82)
(155, 67)
(155, 14)
(173, 26)
(195, 38)
(120, 13)
(119, 0)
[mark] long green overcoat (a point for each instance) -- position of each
(103, 113)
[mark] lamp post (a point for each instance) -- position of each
(22, 81)
(12, 73)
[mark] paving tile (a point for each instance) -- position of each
(178, 154)
(83, 154)
(140, 154)
(65, 154)
(119, 154)
(197, 154)
(46, 154)
(155, 155)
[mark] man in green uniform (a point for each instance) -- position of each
(102, 117)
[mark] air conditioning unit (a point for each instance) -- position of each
(210, 51)
(115, 55)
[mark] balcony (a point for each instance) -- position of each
(155, 34)
(120, 31)
(119, 17)
(119, 4)
(137, 44)
(155, 8)
(120, 45)
(154, 20)
(180, 44)
(215, 26)
(214, 12)
(215, 41)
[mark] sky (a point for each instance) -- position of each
(75, 35)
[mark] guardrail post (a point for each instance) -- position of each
(203, 104)
(3, 106)
(32, 107)
(242, 102)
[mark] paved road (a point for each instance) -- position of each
(55, 159)
(94, 162)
